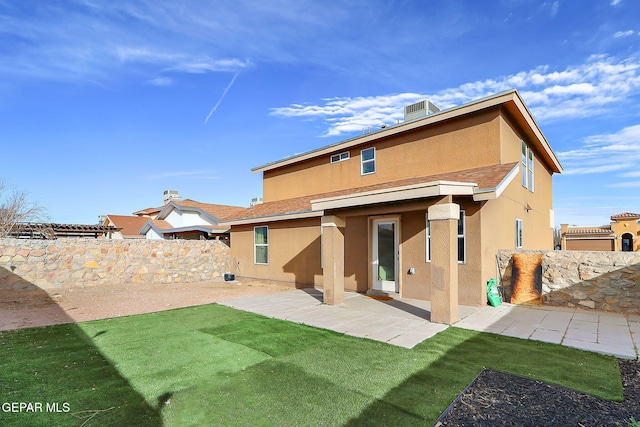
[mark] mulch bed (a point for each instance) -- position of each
(498, 399)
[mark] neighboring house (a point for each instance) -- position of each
(148, 212)
(188, 219)
(168, 195)
(417, 209)
(129, 226)
(621, 235)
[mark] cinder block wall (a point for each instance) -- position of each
(64, 263)
(598, 280)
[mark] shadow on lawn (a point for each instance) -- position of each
(58, 369)
(420, 398)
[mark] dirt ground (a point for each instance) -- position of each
(25, 309)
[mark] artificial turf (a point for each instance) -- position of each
(213, 365)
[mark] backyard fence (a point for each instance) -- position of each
(599, 280)
(75, 262)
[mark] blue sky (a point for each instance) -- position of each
(105, 104)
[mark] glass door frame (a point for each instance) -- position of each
(376, 283)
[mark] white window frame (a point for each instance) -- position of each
(519, 233)
(363, 161)
(463, 236)
(463, 217)
(527, 160)
(530, 175)
(523, 163)
(340, 157)
(255, 245)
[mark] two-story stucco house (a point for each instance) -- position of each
(412, 210)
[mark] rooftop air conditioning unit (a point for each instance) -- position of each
(170, 195)
(256, 201)
(419, 109)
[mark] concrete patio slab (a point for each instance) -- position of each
(405, 322)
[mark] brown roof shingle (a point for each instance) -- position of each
(148, 211)
(219, 211)
(160, 224)
(485, 177)
(130, 225)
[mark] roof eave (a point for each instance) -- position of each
(481, 194)
(395, 194)
(273, 217)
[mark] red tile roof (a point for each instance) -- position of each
(625, 215)
(160, 223)
(219, 211)
(148, 211)
(589, 230)
(130, 225)
(485, 177)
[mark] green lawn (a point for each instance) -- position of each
(213, 365)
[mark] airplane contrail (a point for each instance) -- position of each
(215, 107)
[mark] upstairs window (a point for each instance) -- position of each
(527, 160)
(340, 157)
(368, 161)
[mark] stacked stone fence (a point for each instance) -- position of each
(594, 280)
(77, 262)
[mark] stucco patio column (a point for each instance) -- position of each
(443, 220)
(333, 259)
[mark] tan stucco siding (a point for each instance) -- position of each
(294, 252)
(467, 143)
(499, 219)
(511, 147)
(356, 254)
(413, 254)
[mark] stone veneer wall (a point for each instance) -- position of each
(78, 262)
(599, 280)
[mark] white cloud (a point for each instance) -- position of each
(160, 81)
(606, 153)
(589, 89)
(623, 33)
(204, 65)
(615, 2)
(628, 184)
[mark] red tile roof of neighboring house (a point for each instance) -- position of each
(589, 230)
(148, 211)
(159, 223)
(219, 211)
(484, 177)
(130, 225)
(626, 215)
